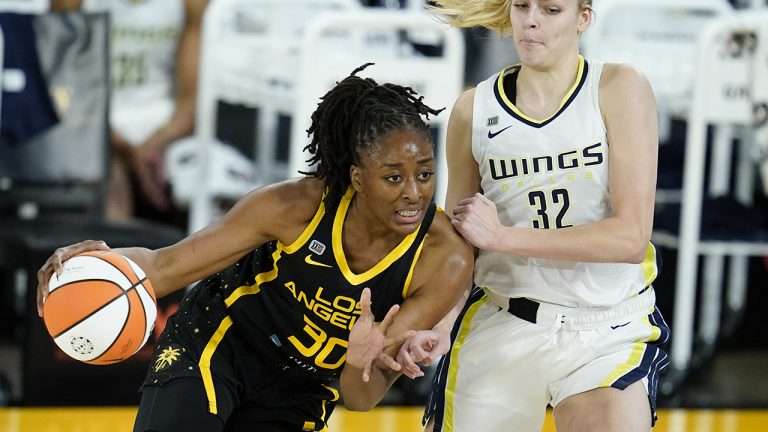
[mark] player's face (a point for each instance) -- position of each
(396, 182)
(545, 30)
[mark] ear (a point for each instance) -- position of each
(356, 177)
(585, 20)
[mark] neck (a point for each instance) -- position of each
(543, 85)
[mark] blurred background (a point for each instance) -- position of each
(140, 121)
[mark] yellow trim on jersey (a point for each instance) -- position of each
(636, 357)
(650, 269)
(260, 279)
(308, 231)
(338, 249)
(205, 362)
(450, 387)
(500, 85)
(407, 285)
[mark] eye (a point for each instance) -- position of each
(426, 175)
(553, 11)
(520, 5)
(393, 178)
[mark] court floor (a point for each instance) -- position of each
(385, 419)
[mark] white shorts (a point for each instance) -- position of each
(503, 370)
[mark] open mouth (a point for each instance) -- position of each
(408, 216)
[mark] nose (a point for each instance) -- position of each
(411, 190)
(530, 21)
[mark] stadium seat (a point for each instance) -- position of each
(53, 193)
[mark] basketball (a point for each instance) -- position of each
(101, 309)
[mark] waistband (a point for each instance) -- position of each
(575, 318)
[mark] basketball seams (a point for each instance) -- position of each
(90, 314)
(101, 256)
(117, 330)
(119, 334)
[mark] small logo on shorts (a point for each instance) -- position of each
(167, 358)
(620, 325)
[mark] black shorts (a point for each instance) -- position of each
(254, 386)
(181, 405)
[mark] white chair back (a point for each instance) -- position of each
(657, 36)
(730, 85)
(249, 57)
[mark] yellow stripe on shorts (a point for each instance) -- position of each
(450, 387)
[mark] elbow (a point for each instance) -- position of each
(637, 249)
(358, 405)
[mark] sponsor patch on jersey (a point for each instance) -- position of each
(317, 247)
(493, 121)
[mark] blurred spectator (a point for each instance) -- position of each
(154, 49)
(24, 87)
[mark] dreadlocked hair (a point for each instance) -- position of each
(349, 121)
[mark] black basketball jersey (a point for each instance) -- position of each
(304, 298)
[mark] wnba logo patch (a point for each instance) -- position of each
(317, 247)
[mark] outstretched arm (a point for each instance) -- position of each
(279, 211)
(441, 275)
(367, 343)
(426, 346)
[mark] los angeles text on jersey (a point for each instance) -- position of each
(505, 168)
(318, 342)
(340, 311)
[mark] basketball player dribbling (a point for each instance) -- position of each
(552, 175)
(265, 342)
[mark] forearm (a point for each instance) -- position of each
(363, 396)
(148, 261)
(610, 240)
(179, 126)
(446, 324)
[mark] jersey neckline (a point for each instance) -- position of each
(511, 108)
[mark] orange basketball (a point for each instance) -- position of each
(101, 309)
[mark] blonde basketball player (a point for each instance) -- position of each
(552, 173)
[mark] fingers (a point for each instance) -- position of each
(389, 361)
(399, 339)
(410, 368)
(418, 352)
(367, 372)
(55, 263)
(389, 318)
(365, 302)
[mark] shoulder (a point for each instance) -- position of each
(445, 247)
(618, 77)
(287, 207)
(465, 102)
(620, 83)
(463, 108)
(298, 196)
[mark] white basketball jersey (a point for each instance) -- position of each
(144, 39)
(549, 174)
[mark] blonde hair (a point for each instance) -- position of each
(491, 14)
